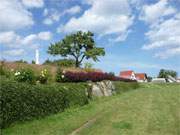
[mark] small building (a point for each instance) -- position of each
(141, 77)
(159, 80)
(128, 75)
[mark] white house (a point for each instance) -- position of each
(141, 77)
(128, 75)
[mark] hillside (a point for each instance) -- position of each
(37, 68)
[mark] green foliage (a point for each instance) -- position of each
(88, 65)
(59, 75)
(44, 76)
(112, 73)
(66, 63)
(33, 62)
(25, 75)
(21, 101)
(149, 78)
(21, 61)
(80, 46)
(164, 73)
(4, 71)
(61, 62)
(125, 86)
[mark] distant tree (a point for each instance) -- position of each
(33, 62)
(80, 46)
(164, 73)
(47, 62)
(112, 73)
(21, 61)
(88, 65)
(61, 62)
(149, 78)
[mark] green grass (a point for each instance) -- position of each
(152, 109)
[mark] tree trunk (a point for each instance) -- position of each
(77, 63)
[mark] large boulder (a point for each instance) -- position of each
(103, 88)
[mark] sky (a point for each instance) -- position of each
(139, 35)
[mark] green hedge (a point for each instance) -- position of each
(21, 101)
(125, 86)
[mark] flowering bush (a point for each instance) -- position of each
(60, 77)
(43, 77)
(25, 75)
(90, 76)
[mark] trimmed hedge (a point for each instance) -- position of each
(91, 76)
(125, 86)
(21, 101)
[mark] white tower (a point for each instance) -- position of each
(37, 56)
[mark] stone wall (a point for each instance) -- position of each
(103, 88)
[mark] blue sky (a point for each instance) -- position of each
(139, 35)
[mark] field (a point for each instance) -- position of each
(152, 109)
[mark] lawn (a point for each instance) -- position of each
(150, 110)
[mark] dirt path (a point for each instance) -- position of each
(85, 125)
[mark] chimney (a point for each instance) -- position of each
(37, 56)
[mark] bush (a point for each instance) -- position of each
(60, 75)
(4, 71)
(125, 86)
(25, 75)
(21, 61)
(90, 76)
(61, 62)
(22, 101)
(44, 76)
(88, 65)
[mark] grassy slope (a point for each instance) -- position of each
(151, 110)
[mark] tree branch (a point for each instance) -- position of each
(82, 58)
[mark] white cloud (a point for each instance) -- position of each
(8, 37)
(73, 10)
(14, 16)
(154, 12)
(168, 53)
(33, 3)
(104, 17)
(121, 37)
(14, 52)
(28, 39)
(164, 32)
(45, 35)
(48, 21)
(13, 40)
(53, 15)
(165, 36)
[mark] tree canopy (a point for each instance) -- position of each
(79, 46)
(164, 73)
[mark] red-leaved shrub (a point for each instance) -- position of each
(92, 76)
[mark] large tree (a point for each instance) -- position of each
(80, 46)
(163, 73)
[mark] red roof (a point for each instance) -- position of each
(126, 74)
(141, 76)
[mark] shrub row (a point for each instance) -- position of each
(125, 86)
(91, 76)
(21, 101)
